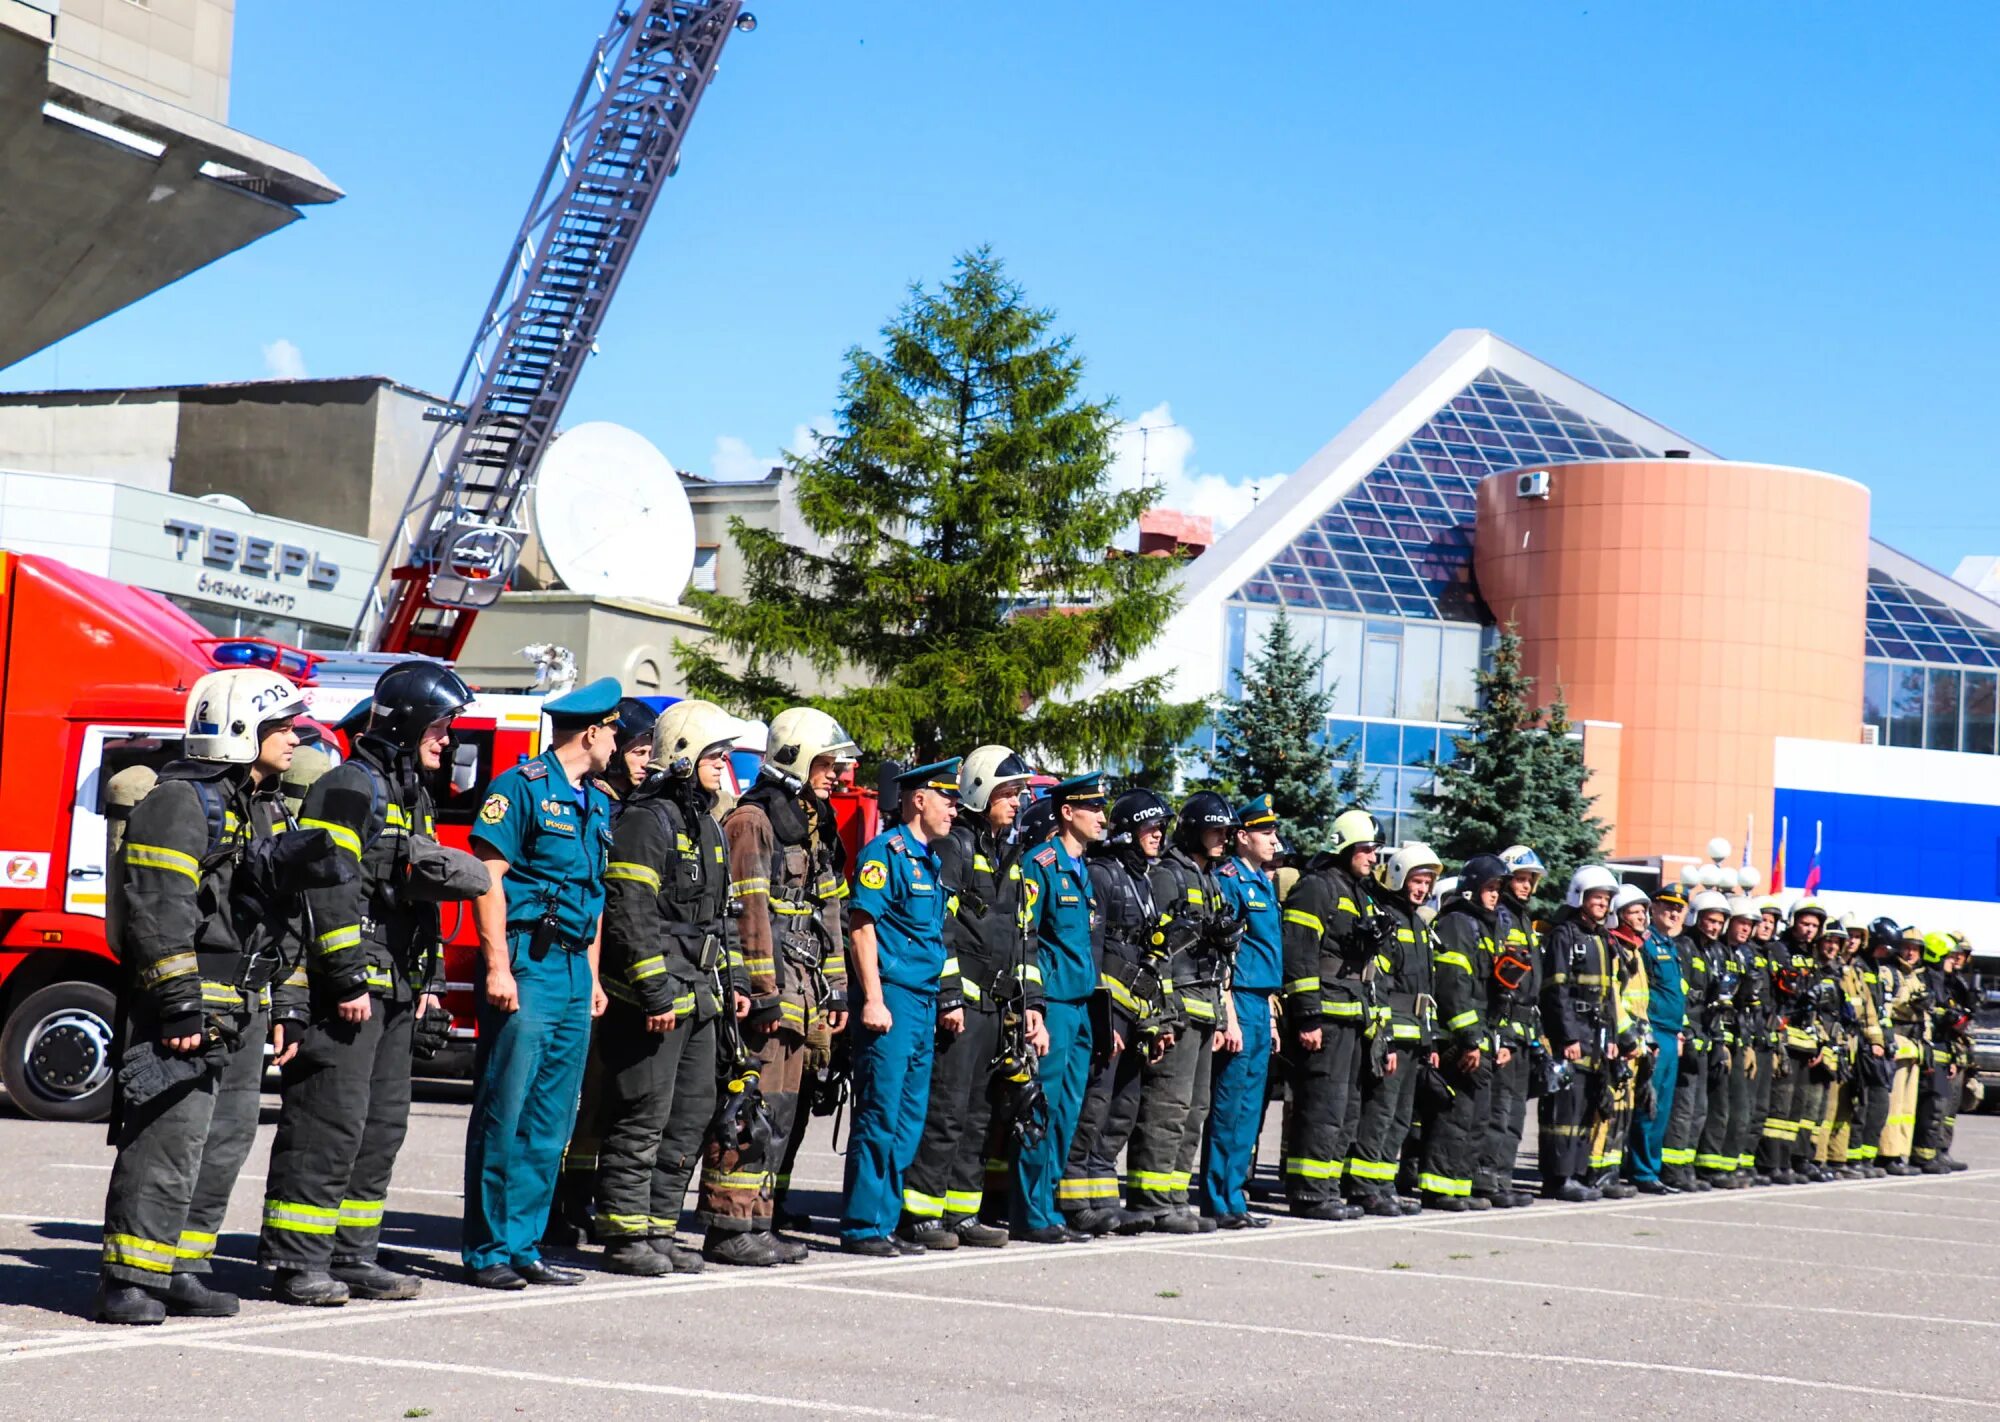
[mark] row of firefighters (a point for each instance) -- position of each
(1007, 993)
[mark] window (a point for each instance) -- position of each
(1381, 669)
(1980, 719)
(1875, 700)
(1941, 710)
(1342, 672)
(1419, 699)
(1906, 707)
(1379, 744)
(1420, 743)
(1232, 653)
(705, 562)
(1458, 676)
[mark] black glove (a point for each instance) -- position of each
(431, 1034)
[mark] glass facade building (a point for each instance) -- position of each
(1931, 674)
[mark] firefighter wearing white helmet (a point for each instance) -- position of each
(980, 861)
(1330, 939)
(1401, 1035)
(1793, 1106)
(670, 967)
(1579, 1013)
(193, 1057)
(1762, 1026)
(1518, 1028)
(1631, 1034)
(787, 872)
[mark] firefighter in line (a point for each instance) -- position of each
(1174, 1091)
(1794, 964)
(1134, 1014)
(1628, 1072)
(1329, 992)
(1766, 1037)
(1706, 985)
(1718, 1158)
(787, 875)
(896, 945)
(1666, 953)
(1939, 1086)
(671, 970)
(192, 1050)
(1399, 1036)
(1242, 1068)
(1839, 1146)
(1579, 1009)
(1466, 943)
(1909, 1018)
(1060, 975)
(542, 833)
(375, 975)
(1513, 1011)
(943, 1188)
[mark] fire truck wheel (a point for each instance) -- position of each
(56, 1052)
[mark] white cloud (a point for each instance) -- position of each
(1154, 449)
(284, 361)
(734, 461)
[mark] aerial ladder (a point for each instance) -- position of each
(459, 538)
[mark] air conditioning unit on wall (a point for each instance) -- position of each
(1532, 485)
(1871, 735)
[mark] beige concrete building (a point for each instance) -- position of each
(119, 172)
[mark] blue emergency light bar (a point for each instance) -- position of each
(290, 662)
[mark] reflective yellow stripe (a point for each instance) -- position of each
(760, 965)
(1339, 1007)
(1308, 1169)
(970, 991)
(155, 856)
(335, 939)
(1150, 1179)
(647, 968)
(220, 995)
(1121, 995)
(833, 963)
(359, 1213)
(1462, 1020)
(300, 1219)
(747, 888)
(136, 1253)
(963, 1202)
(950, 969)
(195, 1245)
(1405, 1032)
(1028, 973)
(1087, 1187)
(1450, 959)
(1197, 1009)
(1299, 985)
(634, 873)
(1305, 920)
(982, 863)
(175, 965)
(736, 1179)
(1443, 1184)
(346, 838)
(1346, 905)
(924, 1207)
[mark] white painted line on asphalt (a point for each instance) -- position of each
(1792, 1202)
(1901, 1271)
(1154, 1320)
(484, 1372)
(1638, 1295)
(1815, 1229)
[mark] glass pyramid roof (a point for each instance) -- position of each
(1911, 626)
(1399, 544)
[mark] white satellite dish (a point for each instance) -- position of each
(612, 516)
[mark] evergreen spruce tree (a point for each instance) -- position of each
(960, 587)
(1517, 779)
(1271, 741)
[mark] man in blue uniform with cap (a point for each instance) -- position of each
(1062, 917)
(542, 833)
(1243, 1068)
(896, 957)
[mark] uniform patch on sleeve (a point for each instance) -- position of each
(1032, 891)
(874, 874)
(494, 810)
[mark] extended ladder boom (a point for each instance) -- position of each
(460, 534)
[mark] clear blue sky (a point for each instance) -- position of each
(1770, 226)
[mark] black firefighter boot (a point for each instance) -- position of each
(119, 1302)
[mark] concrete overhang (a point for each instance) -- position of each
(107, 194)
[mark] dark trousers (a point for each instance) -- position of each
(178, 1158)
(1105, 1121)
(738, 1199)
(1871, 1114)
(656, 1096)
(1501, 1128)
(1325, 1086)
(1387, 1107)
(1563, 1119)
(1166, 1098)
(1763, 1078)
(1689, 1116)
(1812, 1107)
(1451, 1135)
(345, 1113)
(1780, 1131)
(948, 1176)
(1728, 1105)
(1937, 1111)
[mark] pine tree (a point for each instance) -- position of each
(1271, 740)
(1517, 778)
(961, 590)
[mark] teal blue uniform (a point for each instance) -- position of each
(529, 1067)
(1242, 1078)
(897, 886)
(1062, 907)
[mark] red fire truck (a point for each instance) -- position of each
(93, 678)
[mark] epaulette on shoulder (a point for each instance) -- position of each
(897, 846)
(1046, 856)
(533, 769)
(1226, 871)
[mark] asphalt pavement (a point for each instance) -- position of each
(1858, 1299)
